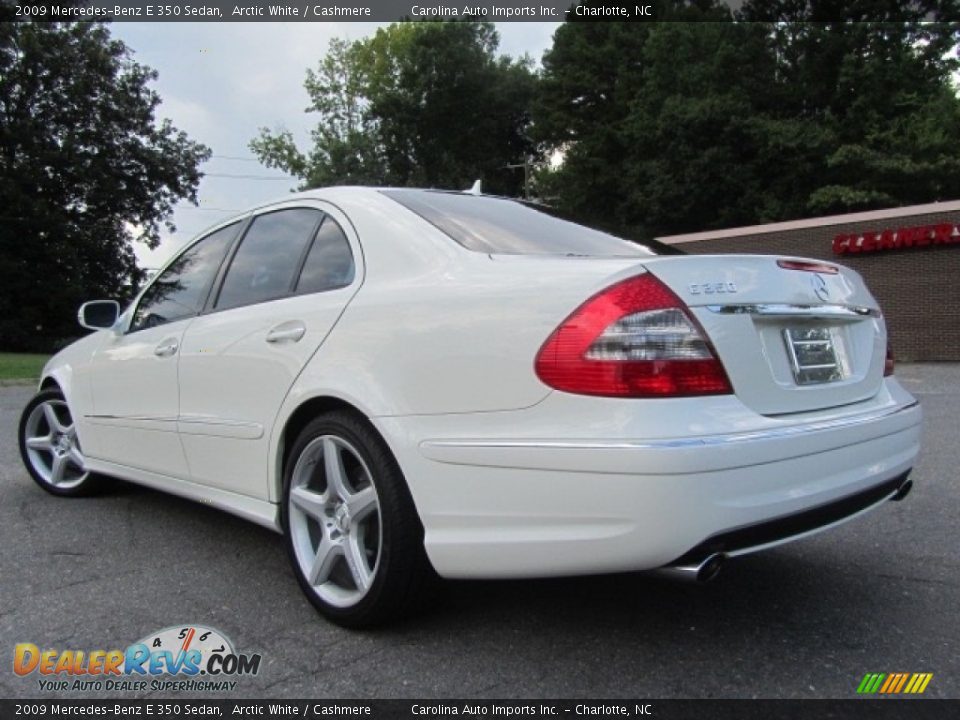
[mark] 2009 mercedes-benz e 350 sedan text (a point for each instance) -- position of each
(406, 382)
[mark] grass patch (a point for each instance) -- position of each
(21, 366)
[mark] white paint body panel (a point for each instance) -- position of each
(753, 348)
(135, 396)
(435, 344)
(529, 492)
(232, 381)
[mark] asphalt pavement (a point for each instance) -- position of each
(805, 620)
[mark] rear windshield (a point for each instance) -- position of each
(497, 225)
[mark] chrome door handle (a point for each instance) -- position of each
(166, 348)
(287, 332)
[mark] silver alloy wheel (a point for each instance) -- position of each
(334, 518)
(53, 449)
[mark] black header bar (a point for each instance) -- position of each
(392, 10)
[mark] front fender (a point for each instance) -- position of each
(69, 369)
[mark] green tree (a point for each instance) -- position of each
(419, 103)
(84, 171)
(593, 77)
(875, 77)
(783, 114)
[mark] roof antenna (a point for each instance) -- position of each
(476, 189)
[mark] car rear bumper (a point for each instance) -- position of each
(528, 506)
(768, 533)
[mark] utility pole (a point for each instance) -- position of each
(526, 175)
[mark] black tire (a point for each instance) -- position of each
(402, 577)
(38, 462)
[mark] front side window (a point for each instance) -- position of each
(264, 265)
(180, 290)
(329, 264)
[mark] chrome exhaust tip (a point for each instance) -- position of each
(701, 572)
(903, 491)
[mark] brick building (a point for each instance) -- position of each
(909, 257)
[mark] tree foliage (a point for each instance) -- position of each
(797, 108)
(419, 103)
(84, 170)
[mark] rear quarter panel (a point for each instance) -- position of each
(436, 328)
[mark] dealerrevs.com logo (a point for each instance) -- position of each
(179, 658)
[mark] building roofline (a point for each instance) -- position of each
(849, 218)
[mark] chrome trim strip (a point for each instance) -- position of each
(155, 424)
(188, 425)
(131, 417)
(794, 310)
(712, 440)
(219, 427)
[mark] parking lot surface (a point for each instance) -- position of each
(806, 620)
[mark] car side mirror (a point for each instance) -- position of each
(99, 314)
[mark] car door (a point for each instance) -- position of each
(133, 375)
(289, 279)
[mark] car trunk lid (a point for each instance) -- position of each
(791, 339)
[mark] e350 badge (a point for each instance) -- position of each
(183, 657)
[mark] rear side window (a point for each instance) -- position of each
(181, 289)
(264, 265)
(497, 225)
(329, 264)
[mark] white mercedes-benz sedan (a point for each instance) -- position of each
(413, 382)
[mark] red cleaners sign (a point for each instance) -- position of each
(899, 239)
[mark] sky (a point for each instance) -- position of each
(221, 82)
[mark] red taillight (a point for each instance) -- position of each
(634, 339)
(808, 266)
(888, 361)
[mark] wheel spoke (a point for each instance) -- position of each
(57, 469)
(309, 502)
(357, 562)
(76, 457)
(40, 443)
(328, 552)
(333, 464)
(361, 504)
(52, 420)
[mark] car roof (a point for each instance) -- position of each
(346, 192)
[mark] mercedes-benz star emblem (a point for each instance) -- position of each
(820, 288)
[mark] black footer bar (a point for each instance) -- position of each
(916, 708)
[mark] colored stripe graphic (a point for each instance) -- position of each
(870, 683)
(903, 679)
(923, 679)
(894, 683)
(891, 682)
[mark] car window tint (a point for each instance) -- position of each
(264, 264)
(499, 225)
(329, 263)
(181, 289)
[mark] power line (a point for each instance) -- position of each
(211, 209)
(187, 231)
(248, 177)
(235, 157)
